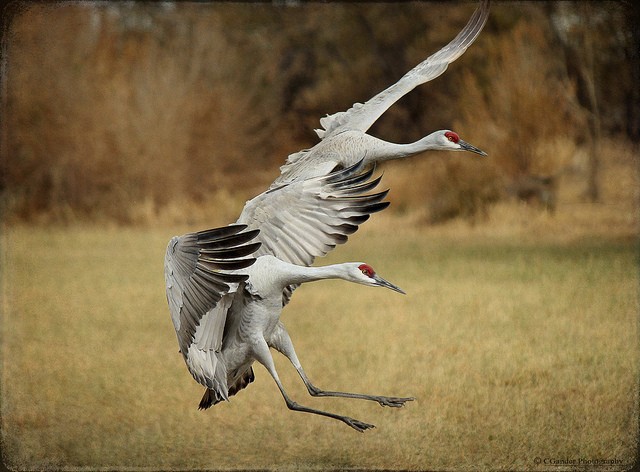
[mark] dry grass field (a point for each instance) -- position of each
(518, 343)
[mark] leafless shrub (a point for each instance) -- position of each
(463, 189)
(524, 105)
(536, 189)
(119, 110)
(106, 113)
(518, 108)
(516, 113)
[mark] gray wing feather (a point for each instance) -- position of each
(196, 278)
(306, 219)
(361, 116)
(208, 335)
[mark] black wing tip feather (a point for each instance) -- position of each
(219, 233)
(200, 265)
(376, 207)
(345, 173)
(220, 248)
(349, 228)
(358, 188)
(232, 252)
(339, 238)
(349, 186)
(360, 199)
(225, 264)
(352, 182)
(210, 239)
(372, 207)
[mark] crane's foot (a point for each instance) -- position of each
(358, 425)
(395, 402)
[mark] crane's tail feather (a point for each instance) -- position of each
(246, 378)
(212, 397)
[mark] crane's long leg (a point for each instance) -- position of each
(264, 357)
(284, 345)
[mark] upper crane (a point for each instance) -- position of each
(344, 140)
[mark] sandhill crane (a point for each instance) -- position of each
(344, 140)
(226, 307)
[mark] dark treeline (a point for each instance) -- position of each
(109, 106)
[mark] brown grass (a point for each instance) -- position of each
(514, 350)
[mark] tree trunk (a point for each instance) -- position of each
(588, 75)
(579, 59)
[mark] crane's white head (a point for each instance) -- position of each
(450, 141)
(364, 274)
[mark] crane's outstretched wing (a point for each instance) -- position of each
(306, 219)
(196, 277)
(362, 115)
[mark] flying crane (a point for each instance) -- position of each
(343, 137)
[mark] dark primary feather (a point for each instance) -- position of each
(208, 239)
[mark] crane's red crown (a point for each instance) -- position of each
(367, 270)
(451, 136)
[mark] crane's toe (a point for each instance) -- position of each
(358, 425)
(395, 402)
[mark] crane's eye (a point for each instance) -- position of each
(367, 270)
(451, 136)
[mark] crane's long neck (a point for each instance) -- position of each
(270, 275)
(385, 150)
(301, 274)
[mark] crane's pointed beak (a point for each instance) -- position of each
(380, 282)
(465, 146)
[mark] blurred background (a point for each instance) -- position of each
(145, 113)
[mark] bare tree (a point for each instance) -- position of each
(594, 42)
